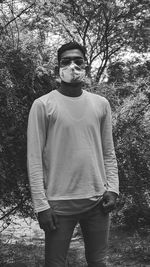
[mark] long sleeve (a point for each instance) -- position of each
(110, 161)
(36, 137)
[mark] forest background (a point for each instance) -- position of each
(117, 36)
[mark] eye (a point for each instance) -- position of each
(79, 61)
(65, 61)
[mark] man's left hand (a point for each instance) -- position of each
(109, 201)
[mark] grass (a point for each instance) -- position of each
(126, 248)
(129, 248)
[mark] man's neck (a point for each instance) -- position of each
(72, 90)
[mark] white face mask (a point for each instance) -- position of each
(72, 73)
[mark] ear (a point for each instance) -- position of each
(56, 70)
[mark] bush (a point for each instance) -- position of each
(131, 137)
(20, 83)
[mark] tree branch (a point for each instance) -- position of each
(23, 11)
(12, 11)
(76, 9)
(9, 212)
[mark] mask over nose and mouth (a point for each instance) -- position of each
(72, 73)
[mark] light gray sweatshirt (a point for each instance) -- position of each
(70, 148)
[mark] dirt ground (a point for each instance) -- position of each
(24, 244)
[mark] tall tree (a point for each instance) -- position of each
(104, 27)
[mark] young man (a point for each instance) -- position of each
(71, 163)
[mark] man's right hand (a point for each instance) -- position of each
(48, 220)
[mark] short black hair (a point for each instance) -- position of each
(70, 46)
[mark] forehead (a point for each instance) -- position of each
(72, 53)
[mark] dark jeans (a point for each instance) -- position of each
(95, 229)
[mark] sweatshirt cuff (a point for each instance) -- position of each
(113, 190)
(42, 208)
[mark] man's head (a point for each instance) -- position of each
(71, 62)
(71, 46)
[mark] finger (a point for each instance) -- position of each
(108, 207)
(55, 220)
(51, 225)
(41, 226)
(48, 226)
(44, 227)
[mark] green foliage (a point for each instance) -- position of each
(131, 136)
(20, 84)
(122, 72)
